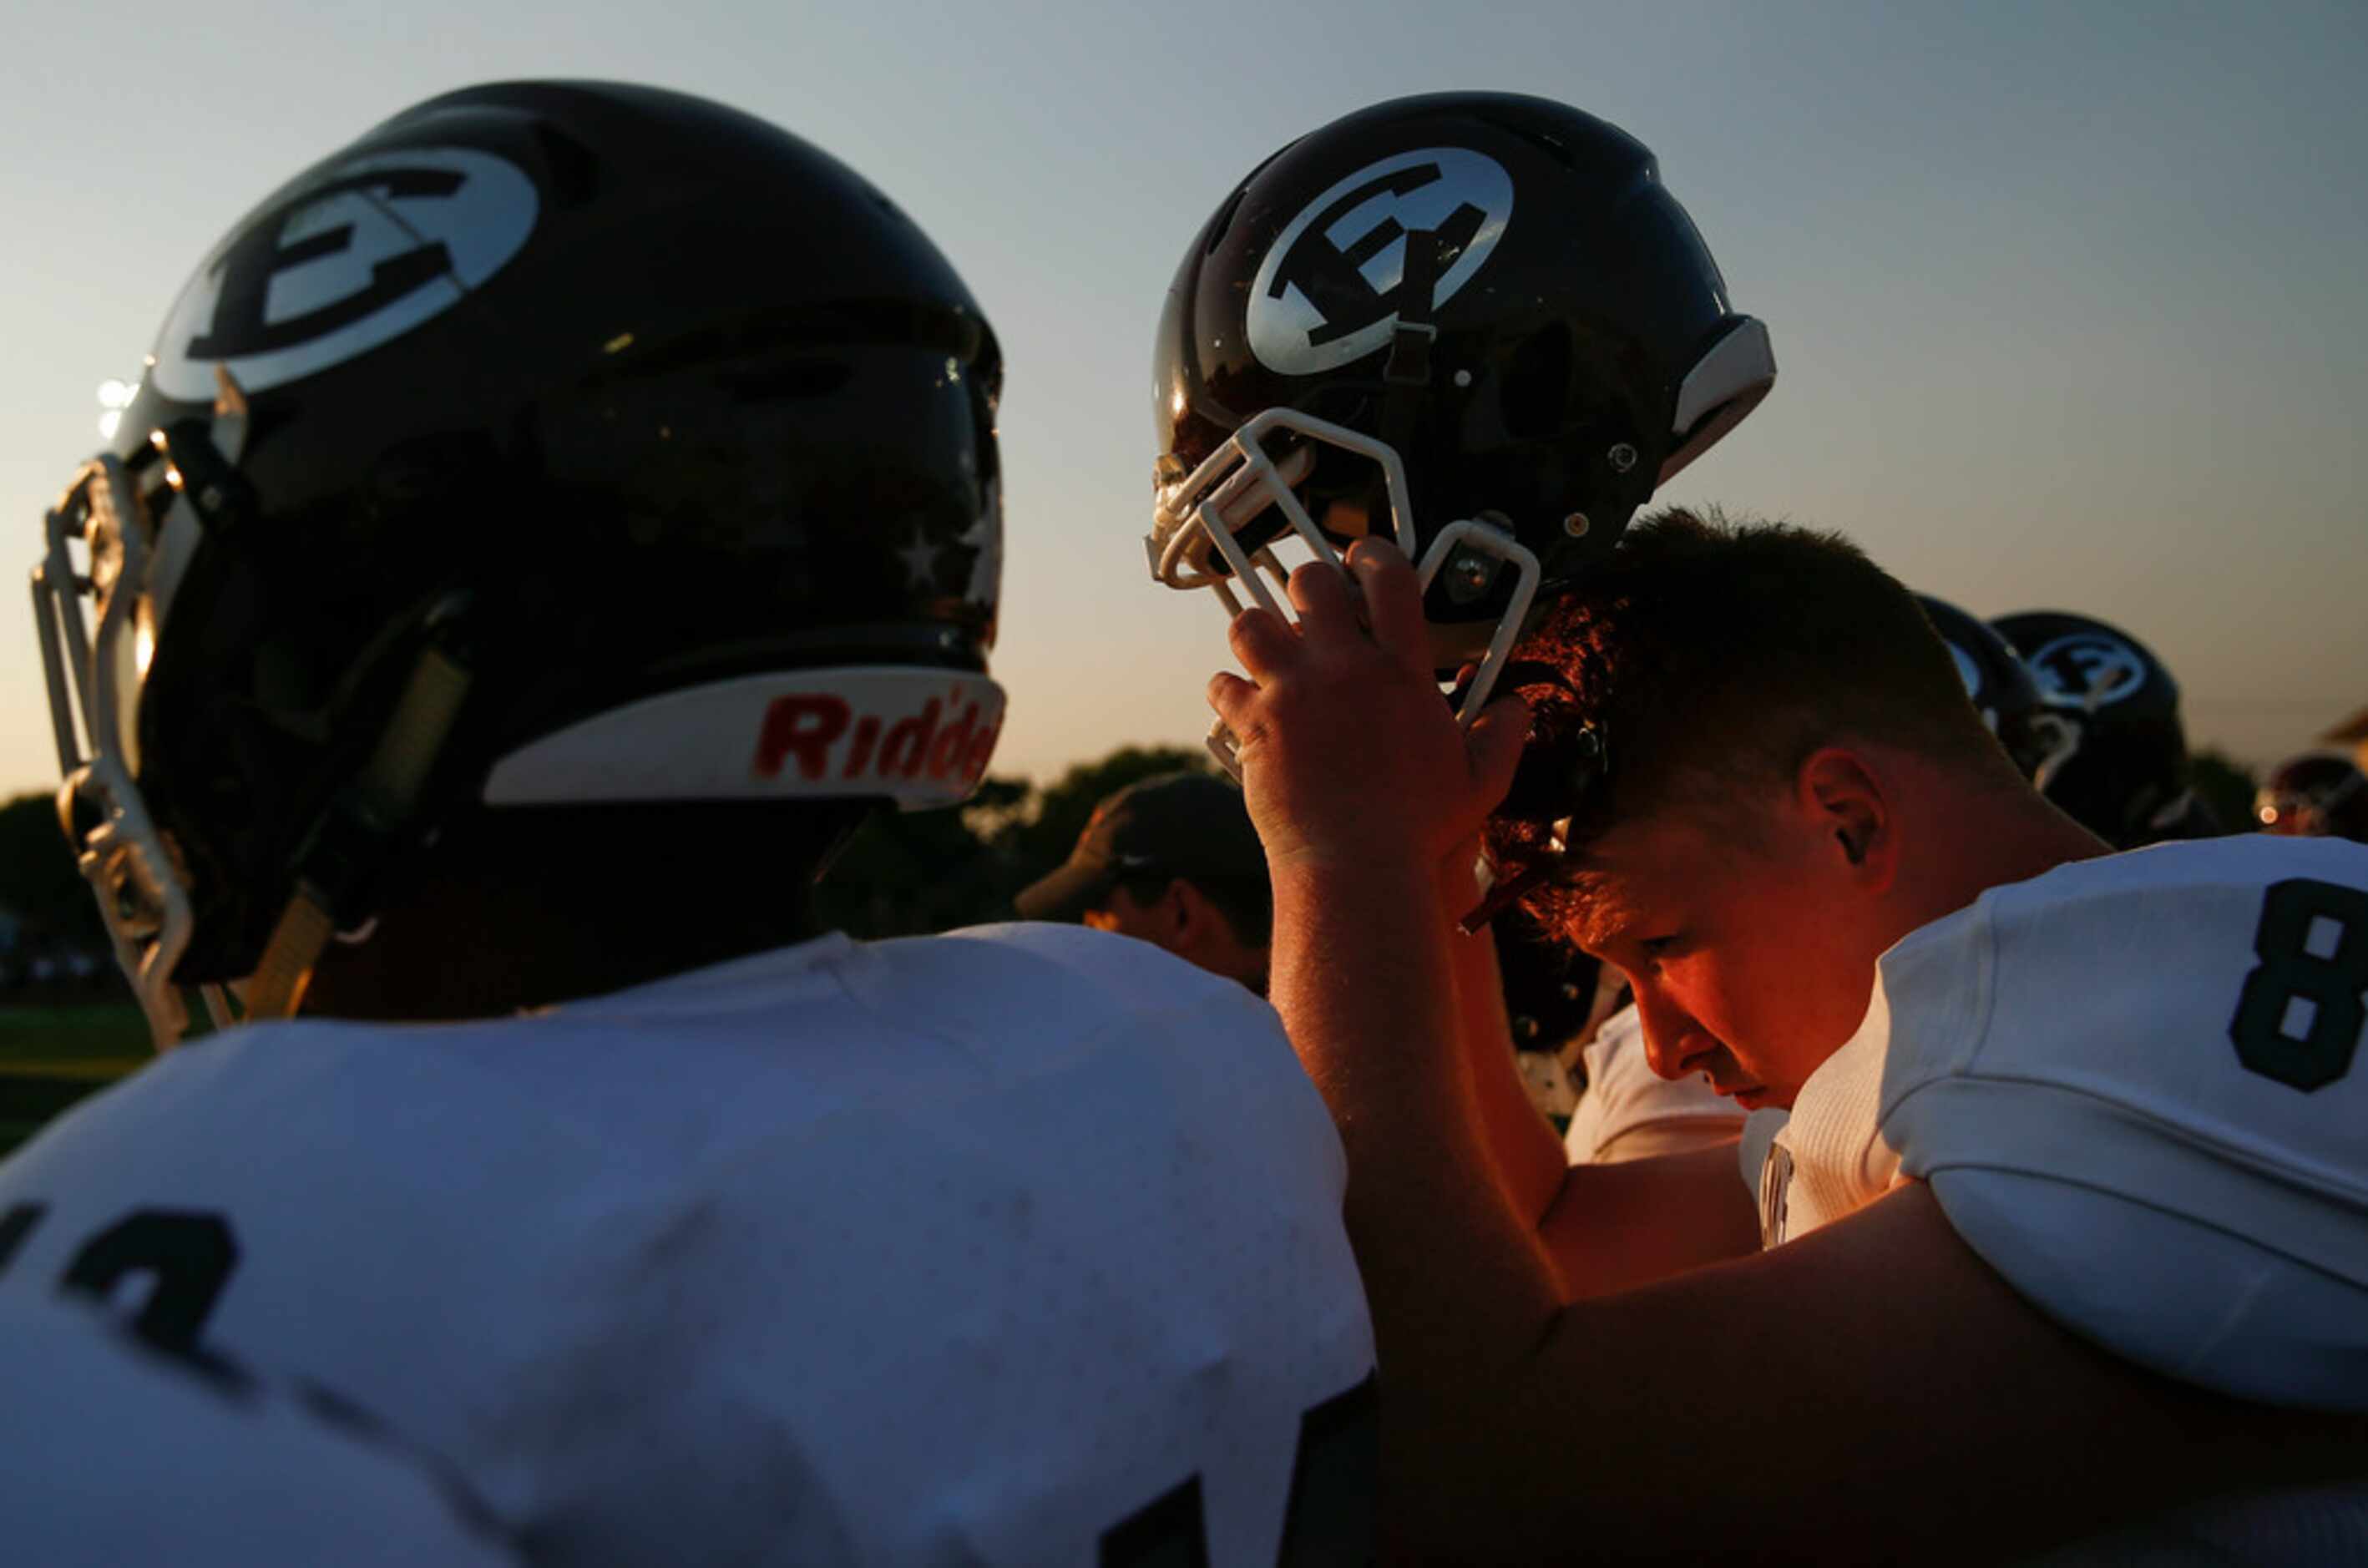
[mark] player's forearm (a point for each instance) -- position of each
(1527, 1156)
(1615, 1227)
(1459, 1289)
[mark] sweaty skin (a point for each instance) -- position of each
(1778, 1406)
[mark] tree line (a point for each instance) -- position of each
(905, 874)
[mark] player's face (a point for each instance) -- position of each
(1745, 944)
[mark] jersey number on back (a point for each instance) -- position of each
(190, 1255)
(1329, 1518)
(2299, 1016)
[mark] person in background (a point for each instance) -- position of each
(1171, 860)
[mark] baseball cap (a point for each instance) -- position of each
(1192, 826)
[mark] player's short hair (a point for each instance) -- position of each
(1708, 655)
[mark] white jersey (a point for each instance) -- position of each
(983, 1247)
(1629, 1112)
(116, 1453)
(2134, 1084)
(2138, 1087)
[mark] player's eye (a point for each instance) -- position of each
(1658, 948)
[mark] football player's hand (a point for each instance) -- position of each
(1349, 753)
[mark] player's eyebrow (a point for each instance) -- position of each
(1606, 910)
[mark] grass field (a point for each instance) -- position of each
(52, 1055)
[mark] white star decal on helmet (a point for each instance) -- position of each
(920, 558)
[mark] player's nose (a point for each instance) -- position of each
(1674, 1046)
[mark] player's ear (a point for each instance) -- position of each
(1186, 910)
(1171, 912)
(1842, 801)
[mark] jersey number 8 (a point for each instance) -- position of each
(2327, 978)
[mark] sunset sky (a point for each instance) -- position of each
(2066, 298)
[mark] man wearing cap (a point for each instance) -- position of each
(1171, 860)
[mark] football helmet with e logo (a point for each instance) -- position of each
(1473, 323)
(552, 443)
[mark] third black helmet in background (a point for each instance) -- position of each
(2127, 781)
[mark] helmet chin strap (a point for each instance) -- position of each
(351, 845)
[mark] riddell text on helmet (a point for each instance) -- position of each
(922, 737)
(825, 737)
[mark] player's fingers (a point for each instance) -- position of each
(1227, 692)
(1326, 600)
(1234, 700)
(1262, 642)
(1392, 601)
(1494, 745)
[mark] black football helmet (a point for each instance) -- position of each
(2315, 795)
(553, 442)
(2001, 690)
(1476, 324)
(2125, 779)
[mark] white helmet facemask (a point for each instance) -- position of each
(1199, 520)
(101, 591)
(100, 619)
